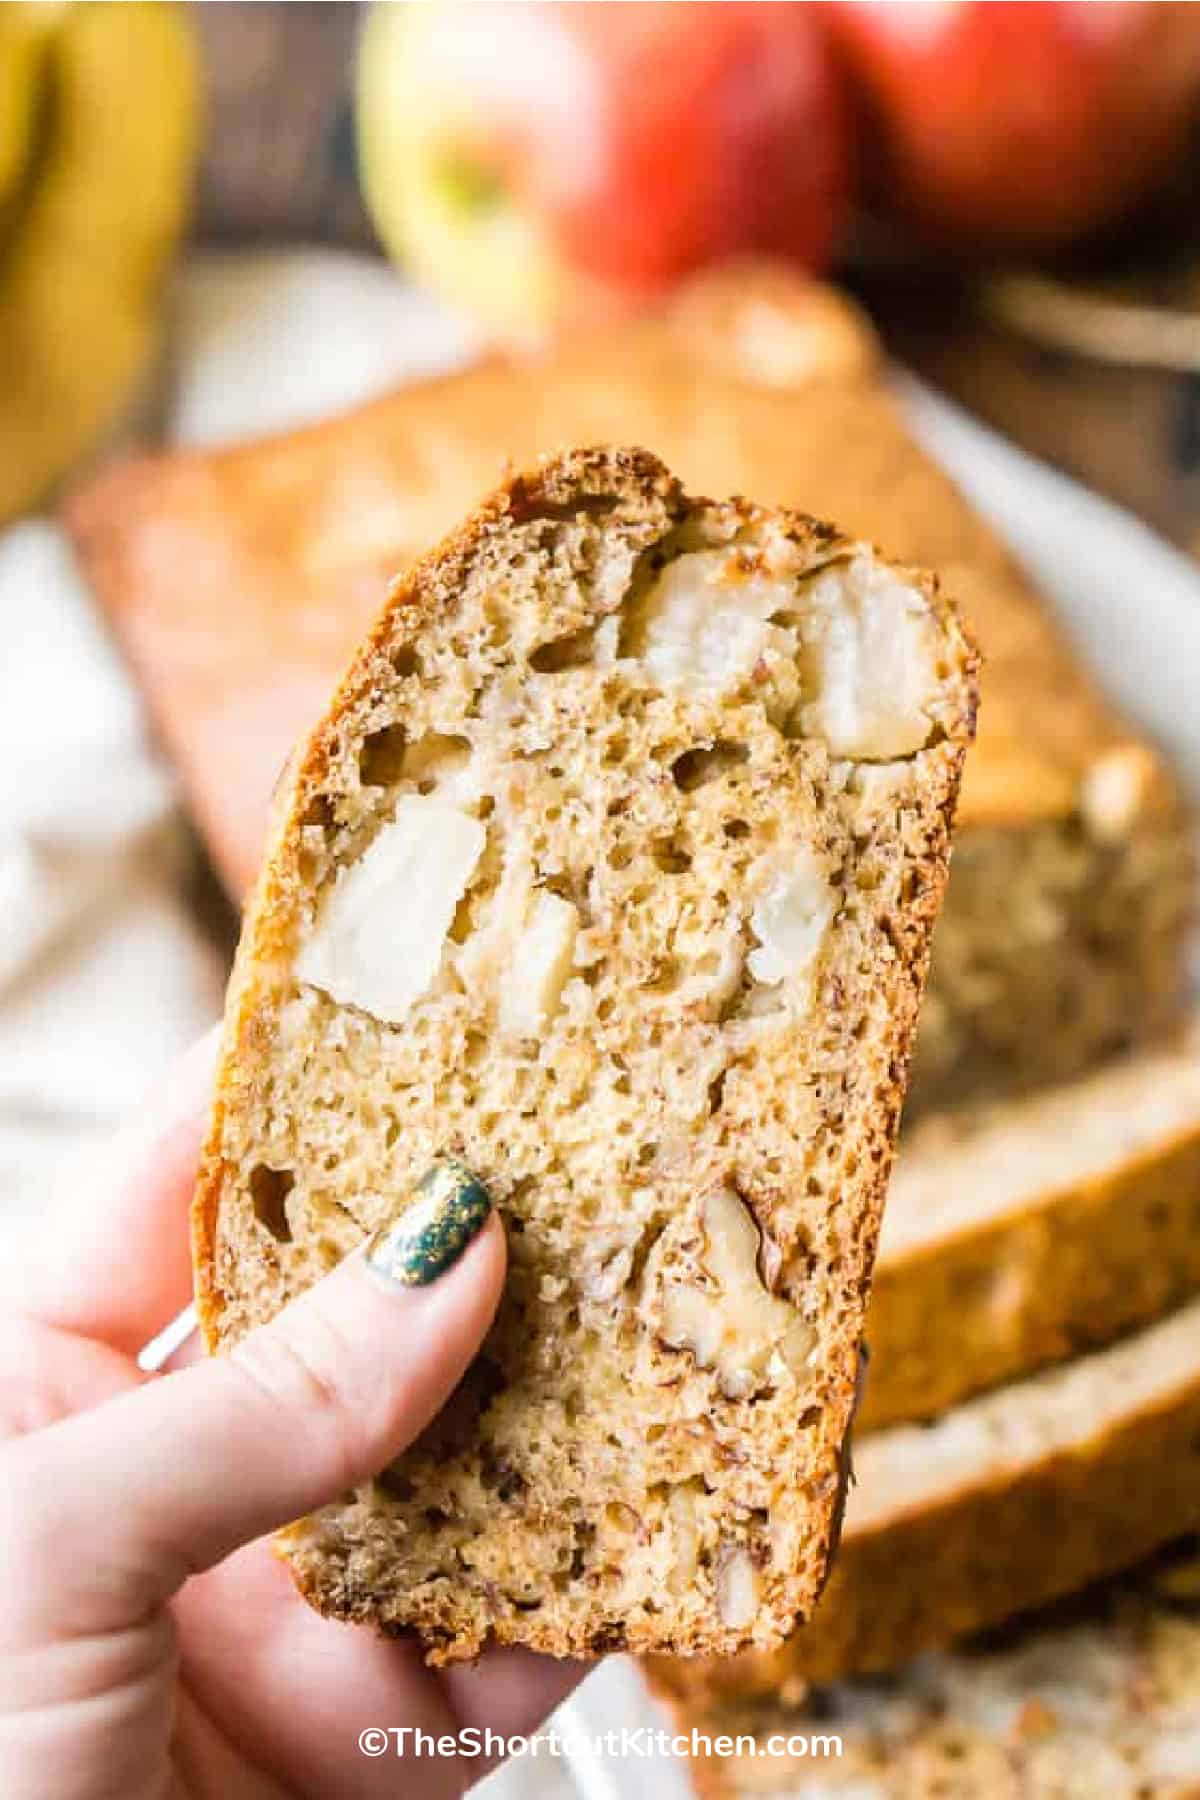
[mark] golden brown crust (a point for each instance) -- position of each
(242, 1276)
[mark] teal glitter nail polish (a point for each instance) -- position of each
(450, 1207)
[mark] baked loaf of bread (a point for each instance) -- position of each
(999, 1506)
(611, 871)
(1097, 1700)
(239, 580)
(1024, 1233)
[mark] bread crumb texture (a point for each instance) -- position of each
(612, 871)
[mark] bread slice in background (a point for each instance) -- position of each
(712, 753)
(1027, 1232)
(1097, 1697)
(237, 582)
(1002, 1504)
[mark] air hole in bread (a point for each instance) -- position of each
(405, 661)
(696, 767)
(318, 813)
(671, 857)
(666, 977)
(269, 1189)
(574, 1405)
(623, 1518)
(381, 759)
(734, 1005)
(395, 1483)
(511, 1486)
(462, 923)
(573, 651)
(432, 759)
(542, 510)
(736, 828)
(387, 757)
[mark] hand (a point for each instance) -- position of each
(151, 1645)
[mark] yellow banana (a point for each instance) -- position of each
(23, 32)
(100, 209)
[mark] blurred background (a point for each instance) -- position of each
(223, 220)
(1031, 240)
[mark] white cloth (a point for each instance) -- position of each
(102, 974)
(274, 339)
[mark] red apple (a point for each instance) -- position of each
(528, 158)
(1021, 126)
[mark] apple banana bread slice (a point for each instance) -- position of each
(610, 871)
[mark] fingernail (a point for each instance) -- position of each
(450, 1206)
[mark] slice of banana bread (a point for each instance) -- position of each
(1027, 1232)
(1096, 1699)
(612, 871)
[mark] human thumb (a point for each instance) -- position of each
(131, 1498)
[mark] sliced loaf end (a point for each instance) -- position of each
(612, 870)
